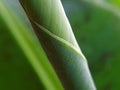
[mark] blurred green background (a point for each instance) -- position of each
(96, 25)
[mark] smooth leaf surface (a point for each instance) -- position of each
(11, 13)
(55, 34)
(15, 71)
(71, 66)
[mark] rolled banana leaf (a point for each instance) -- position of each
(55, 34)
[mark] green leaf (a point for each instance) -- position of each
(56, 36)
(11, 13)
(15, 71)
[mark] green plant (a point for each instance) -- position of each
(56, 37)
